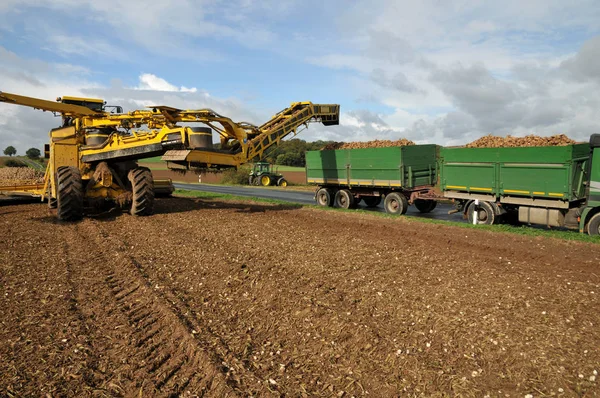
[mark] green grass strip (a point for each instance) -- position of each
(519, 230)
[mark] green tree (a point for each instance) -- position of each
(33, 153)
(10, 151)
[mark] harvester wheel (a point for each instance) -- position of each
(372, 201)
(485, 213)
(142, 186)
(344, 199)
(52, 202)
(282, 182)
(265, 181)
(324, 197)
(594, 225)
(395, 203)
(69, 201)
(425, 206)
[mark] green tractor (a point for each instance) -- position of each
(262, 173)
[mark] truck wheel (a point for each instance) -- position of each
(344, 199)
(372, 201)
(265, 181)
(142, 186)
(282, 182)
(425, 206)
(324, 197)
(594, 225)
(395, 203)
(69, 201)
(485, 214)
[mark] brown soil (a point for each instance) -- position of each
(238, 299)
(491, 141)
(368, 144)
(20, 176)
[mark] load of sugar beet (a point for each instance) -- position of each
(491, 141)
(368, 144)
(20, 176)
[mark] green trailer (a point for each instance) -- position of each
(555, 186)
(401, 175)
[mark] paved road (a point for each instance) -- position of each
(440, 212)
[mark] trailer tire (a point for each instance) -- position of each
(69, 200)
(324, 197)
(372, 201)
(425, 206)
(142, 186)
(344, 199)
(593, 227)
(395, 203)
(485, 215)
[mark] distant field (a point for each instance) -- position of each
(25, 161)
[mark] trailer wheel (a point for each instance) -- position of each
(425, 206)
(324, 197)
(395, 203)
(594, 225)
(69, 201)
(372, 201)
(485, 214)
(265, 181)
(142, 186)
(344, 199)
(282, 182)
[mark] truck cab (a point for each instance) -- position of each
(590, 217)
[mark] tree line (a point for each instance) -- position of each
(292, 152)
(31, 153)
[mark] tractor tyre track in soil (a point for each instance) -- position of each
(223, 298)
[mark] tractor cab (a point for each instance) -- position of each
(263, 173)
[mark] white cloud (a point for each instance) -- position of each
(148, 81)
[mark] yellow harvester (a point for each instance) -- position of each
(93, 154)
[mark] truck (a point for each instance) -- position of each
(556, 186)
(93, 153)
(400, 176)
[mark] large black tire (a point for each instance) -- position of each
(372, 201)
(344, 199)
(593, 227)
(282, 182)
(425, 206)
(395, 203)
(324, 197)
(69, 201)
(142, 187)
(485, 213)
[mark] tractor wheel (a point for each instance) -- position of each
(593, 227)
(265, 181)
(395, 203)
(52, 203)
(282, 182)
(344, 199)
(69, 201)
(142, 187)
(372, 201)
(324, 197)
(485, 213)
(425, 206)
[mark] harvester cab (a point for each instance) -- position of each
(95, 104)
(263, 173)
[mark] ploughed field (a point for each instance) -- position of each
(220, 298)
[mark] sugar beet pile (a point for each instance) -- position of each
(20, 176)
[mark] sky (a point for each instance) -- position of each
(444, 72)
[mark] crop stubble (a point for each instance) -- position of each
(224, 298)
